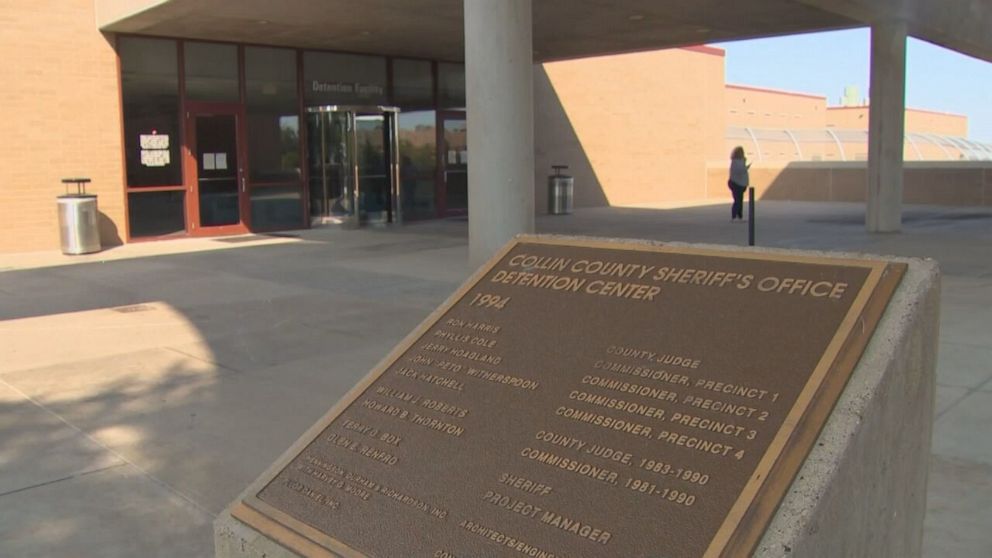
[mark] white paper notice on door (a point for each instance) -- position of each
(209, 161)
(154, 149)
(154, 141)
(221, 161)
(155, 157)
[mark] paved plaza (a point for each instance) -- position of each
(143, 387)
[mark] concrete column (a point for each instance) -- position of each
(500, 100)
(886, 125)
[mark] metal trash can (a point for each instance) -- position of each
(78, 219)
(560, 190)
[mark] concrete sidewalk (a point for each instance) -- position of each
(142, 388)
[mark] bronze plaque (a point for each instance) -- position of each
(581, 398)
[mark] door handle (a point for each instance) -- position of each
(243, 183)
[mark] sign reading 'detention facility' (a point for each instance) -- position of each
(580, 398)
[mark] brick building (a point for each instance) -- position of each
(184, 134)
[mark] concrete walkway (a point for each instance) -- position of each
(142, 388)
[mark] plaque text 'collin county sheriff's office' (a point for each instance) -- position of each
(578, 399)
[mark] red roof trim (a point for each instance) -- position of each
(776, 91)
(706, 50)
(908, 109)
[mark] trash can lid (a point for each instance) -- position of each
(68, 180)
(69, 197)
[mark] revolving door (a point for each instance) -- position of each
(353, 165)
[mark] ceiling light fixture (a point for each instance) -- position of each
(635, 17)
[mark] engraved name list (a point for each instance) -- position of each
(578, 398)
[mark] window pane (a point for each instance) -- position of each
(451, 86)
(270, 77)
(156, 213)
(273, 147)
(418, 156)
(330, 78)
(455, 151)
(150, 95)
(273, 115)
(413, 84)
(211, 72)
(276, 207)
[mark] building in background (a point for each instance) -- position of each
(656, 128)
(774, 125)
(196, 137)
(202, 138)
(259, 138)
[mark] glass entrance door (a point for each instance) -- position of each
(332, 176)
(372, 159)
(216, 203)
(453, 162)
(352, 164)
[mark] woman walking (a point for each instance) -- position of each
(738, 182)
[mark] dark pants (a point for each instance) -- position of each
(737, 210)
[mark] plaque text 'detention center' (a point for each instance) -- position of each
(581, 398)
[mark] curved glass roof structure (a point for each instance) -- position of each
(834, 144)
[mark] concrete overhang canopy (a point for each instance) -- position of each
(961, 25)
(435, 28)
(562, 28)
(421, 28)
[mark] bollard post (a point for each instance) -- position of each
(750, 216)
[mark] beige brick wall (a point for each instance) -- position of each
(61, 117)
(773, 110)
(963, 184)
(917, 120)
(634, 128)
(768, 108)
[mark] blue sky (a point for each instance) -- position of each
(823, 63)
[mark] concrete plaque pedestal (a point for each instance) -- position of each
(861, 491)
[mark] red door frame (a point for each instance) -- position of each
(441, 161)
(193, 110)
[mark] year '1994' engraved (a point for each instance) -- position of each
(489, 301)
